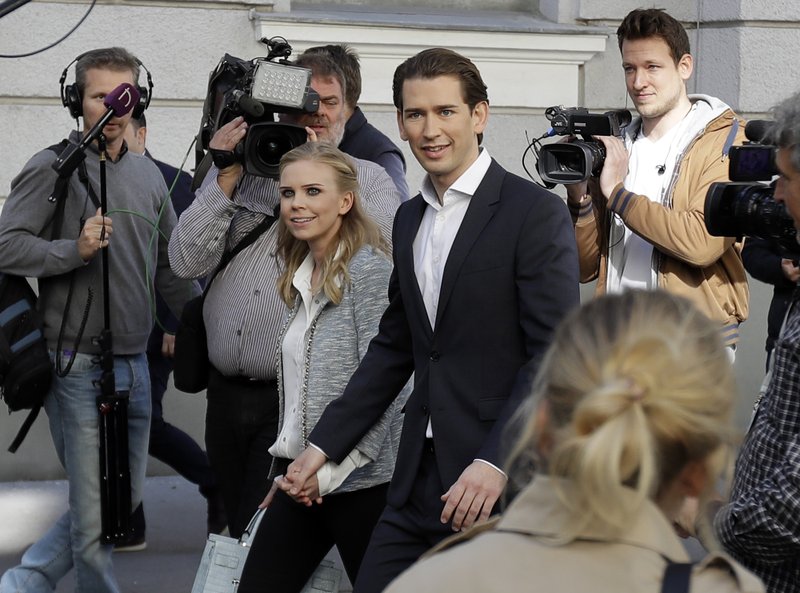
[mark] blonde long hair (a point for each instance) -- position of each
(636, 386)
(357, 228)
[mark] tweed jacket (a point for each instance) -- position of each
(335, 343)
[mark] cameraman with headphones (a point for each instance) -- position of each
(67, 262)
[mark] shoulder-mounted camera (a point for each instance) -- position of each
(260, 90)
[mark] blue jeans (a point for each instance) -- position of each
(74, 540)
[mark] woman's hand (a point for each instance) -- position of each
(307, 495)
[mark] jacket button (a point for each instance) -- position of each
(435, 356)
(424, 409)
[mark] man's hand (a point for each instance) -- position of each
(473, 496)
(790, 270)
(615, 166)
(307, 495)
(226, 138)
(300, 481)
(94, 236)
(168, 345)
(576, 191)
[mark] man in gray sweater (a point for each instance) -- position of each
(69, 269)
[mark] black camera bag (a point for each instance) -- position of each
(26, 370)
(25, 367)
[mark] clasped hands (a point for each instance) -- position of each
(468, 501)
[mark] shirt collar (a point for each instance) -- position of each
(302, 276)
(464, 186)
(539, 511)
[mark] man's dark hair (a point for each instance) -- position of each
(785, 131)
(438, 61)
(644, 23)
(138, 122)
(117, 59)
(322, 66)
(347, 59)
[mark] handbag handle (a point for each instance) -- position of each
(251, 528)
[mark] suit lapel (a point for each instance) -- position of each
(409, 284)
(481, 208)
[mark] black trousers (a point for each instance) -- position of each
(293, 538)
(241, 425)
(402, 535)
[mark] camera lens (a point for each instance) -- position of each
(266, 143)
(271, 147)
(750, 210)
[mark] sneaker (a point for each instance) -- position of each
(217, 520)
(133, 543)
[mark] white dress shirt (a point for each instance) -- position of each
(436, 234)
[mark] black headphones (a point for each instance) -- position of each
(71, 96)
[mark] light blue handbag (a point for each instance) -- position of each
(224, 557)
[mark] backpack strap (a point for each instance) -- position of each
(23, 430)
(59, 198)
(676, 577)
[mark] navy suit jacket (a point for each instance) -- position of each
(182, 196)
(511, 275)
(364, 141)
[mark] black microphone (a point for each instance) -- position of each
(119, 102)
(757, 130)
(661, 169)
(247, 104)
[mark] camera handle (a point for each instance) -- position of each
(112, 407)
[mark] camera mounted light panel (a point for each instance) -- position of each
(286, 86)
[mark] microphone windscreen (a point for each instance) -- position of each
(122, 99)
(758, 130)
(251, 106)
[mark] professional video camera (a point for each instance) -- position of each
(576, 161)
(741, 209)
(258, 90)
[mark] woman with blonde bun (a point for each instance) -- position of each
(630, 415)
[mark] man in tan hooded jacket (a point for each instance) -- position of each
(641, 223)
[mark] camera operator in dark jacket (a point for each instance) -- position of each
(764, 261)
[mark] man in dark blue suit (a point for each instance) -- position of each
(167, 442)
(485, 267)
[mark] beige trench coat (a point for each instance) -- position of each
(522, 553)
